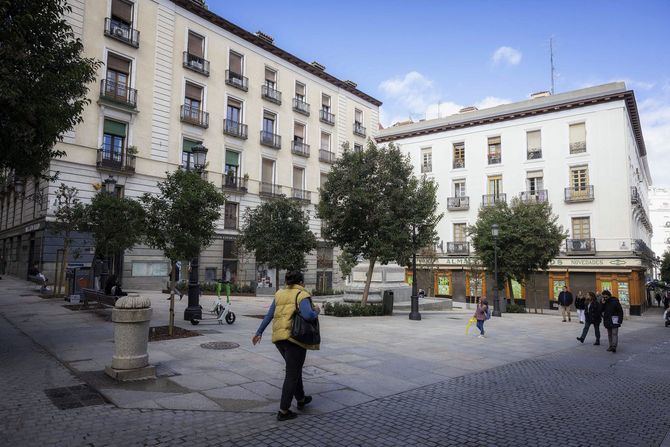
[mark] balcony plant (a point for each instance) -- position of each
(132, 151)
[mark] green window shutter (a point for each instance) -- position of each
(232, 158)
(188, 145)
(115, 128)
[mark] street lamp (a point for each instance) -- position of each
(414, 312)
(194, 309)
(110, 185)
(19, 185)
(495, 231)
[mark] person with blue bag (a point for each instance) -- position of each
(295, 329)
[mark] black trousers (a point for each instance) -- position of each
(596, 329)
(294, 356)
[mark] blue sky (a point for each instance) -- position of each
(414, 55)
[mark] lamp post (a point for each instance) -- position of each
(495, 230)
(194, 309)
(110, 185)
(19, 185)
(414, 312)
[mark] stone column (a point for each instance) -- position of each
(131, 317)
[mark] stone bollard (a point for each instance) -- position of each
(131, 317)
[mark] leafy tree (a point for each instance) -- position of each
(529, 239)
(69, 218)
(43, 83)
(665, 267)
(278, 234)
(181, 219)
(370, 203)
(116, 224)
(347, 262)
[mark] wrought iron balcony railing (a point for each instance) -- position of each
(492, 199)
(270, 139)
(235, 129)
(233, 182)
(426, 167)
(578, 147)
(537, 196)
(534, 154)
(195, 116)
(458, 163)
(495, 159)
(111, 159)
(458, 203)
(301, 194)
(580, 246)
(579, 194)
(271, 94)
(326, 117)
(458, 248)
(359, 129)
(634, 196)
(326, 156)
(122, 32)
(118, 93)
(237, 80)
(300, 148)
(300, 106)
(196, 63)
(270, 189)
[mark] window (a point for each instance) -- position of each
(229, 249)
(117, 77)
(235, 65)
(324, 256)
(230, 216)
(358, 147)
(323, 179)
(234, 111)
(494, 151)
(325, 102)
(192, 100)
(113, 141)
(186, 153)
(579, 178)
(325, 141)
(269, 121)
(268, 171)
(581, 228)
(358, 117)
(577, 138)
(122, 13)
(533, 145)
(459, 232)
(196, 45)
(426, 160)
(230, 256)
(232, 164)
(270, 78)
(534, 182)
(494, 185)
(459, 155)
(298, 178)
(300, 92)
(298, 132)
(459, 188)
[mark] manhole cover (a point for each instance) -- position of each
(220, 345)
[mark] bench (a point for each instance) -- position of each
(98, 296)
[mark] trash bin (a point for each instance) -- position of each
(387, 302)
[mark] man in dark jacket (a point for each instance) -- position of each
(564, 302)
(592, 316)
(612, 319)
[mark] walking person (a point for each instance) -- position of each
(482, 313)
(282, 311)
(564, 302)
(658, 298)
(580, 305)
(592, 316)
(666, 300)
(612, 319)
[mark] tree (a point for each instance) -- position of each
(116, 224)
(181, 219)
(529, 239)
(665, 267)
(69, 218)
(278, 234)
(347, 262)
(370, 203)
(43, 83)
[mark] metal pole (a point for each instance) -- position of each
(414, 313)
(496, 302)
(194, 309)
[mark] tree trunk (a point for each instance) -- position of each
(173, 278)
(63, 265)
(276, 278)
(511, 291)
(368, 280)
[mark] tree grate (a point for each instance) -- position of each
(78, 396)
(220, 345)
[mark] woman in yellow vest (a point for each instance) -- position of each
(281, 314)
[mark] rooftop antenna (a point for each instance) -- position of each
(551, 58)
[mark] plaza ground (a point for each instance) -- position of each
(376, 381)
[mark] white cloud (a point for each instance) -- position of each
(491, 101)
(506, 55)
(414, 91)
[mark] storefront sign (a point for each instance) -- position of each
(32, 227)
(596, 262)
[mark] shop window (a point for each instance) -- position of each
(443, 284)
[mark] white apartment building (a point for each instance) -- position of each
(174, 75)
(583, 151)
(659, 212)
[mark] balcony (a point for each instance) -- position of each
(301, 194)
(426, 168)
(233, 182)
(495, 159)
(326, 117)
(458, 203)
(112, 160)
(579, 194)
(271, 94)
(270, 139)
(359, 129)
(270, 190)
(492, 199)
(534, 154)
(635, 198)
(237, 80)
(235, 129)
(300, 106)
(642, 249)
(195, 116)
(122, 32)
(458, 248)
(580, 246)
(458, 163)
(326, 156)
(578, 147)
(118, 93)
(196, 63)
(537, 196)
(300, 148)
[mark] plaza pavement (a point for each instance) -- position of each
(376, 381)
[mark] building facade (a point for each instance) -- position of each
(659, 211)
(174, 75)
(582, 151)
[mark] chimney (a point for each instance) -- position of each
(318, 66)
(468, 109)
(542, 94)
(351, 83)
(265, 37)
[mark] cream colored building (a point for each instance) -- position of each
(175, 74)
